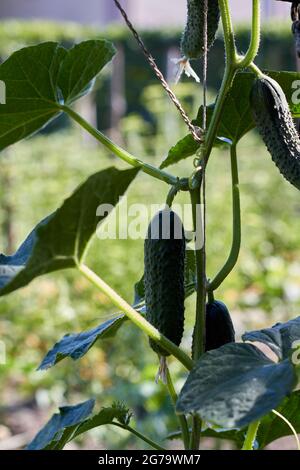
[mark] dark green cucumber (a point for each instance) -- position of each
(219, 326)
(275, 124)
(164, 256)
(192, 43)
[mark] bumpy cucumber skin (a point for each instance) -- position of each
(164, 281)
(219, 326)
(192, 44)
(275, 124)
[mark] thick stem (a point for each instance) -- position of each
(233, 64)
(230, 49)
(251, 436)
(121, 153)
(236, 225)
(199, 328)
(182, 419)
(196, 433)
(138, 434)
(214, 123)
(255, 36)
(136, 317)
(229, 73)
(171, 195)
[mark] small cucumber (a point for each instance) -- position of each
(219, 326)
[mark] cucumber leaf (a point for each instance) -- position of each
(279, 338)
(61, 241)
(235, 385)
(38, 79)
(68, 417)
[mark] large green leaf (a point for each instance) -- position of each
(39, 78)
(11, 265)
(237, 117)
(279, 338)
(81, 65)
(68, 417)
(62, 240)
(235, 385)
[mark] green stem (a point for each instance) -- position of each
(236, 239)
(255, 36)
(230, 70)
(214, 123)
(230, 49)
(139, 435)
(196, 433)
(121, 153)
(199, 328)
(256, 70)
(229, 73)
(136, 317)
(171, 195)
(182, 419)
(233, 64)
(251, 436)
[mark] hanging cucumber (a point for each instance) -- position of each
(164, 256)
(192, 41)
(275, 124)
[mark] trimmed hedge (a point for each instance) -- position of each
(277, 52)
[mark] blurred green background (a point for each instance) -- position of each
(39, 173)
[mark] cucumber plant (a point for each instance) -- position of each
(233, 390)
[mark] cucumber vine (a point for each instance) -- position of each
(219, 398)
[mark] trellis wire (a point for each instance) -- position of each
(193, 129)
